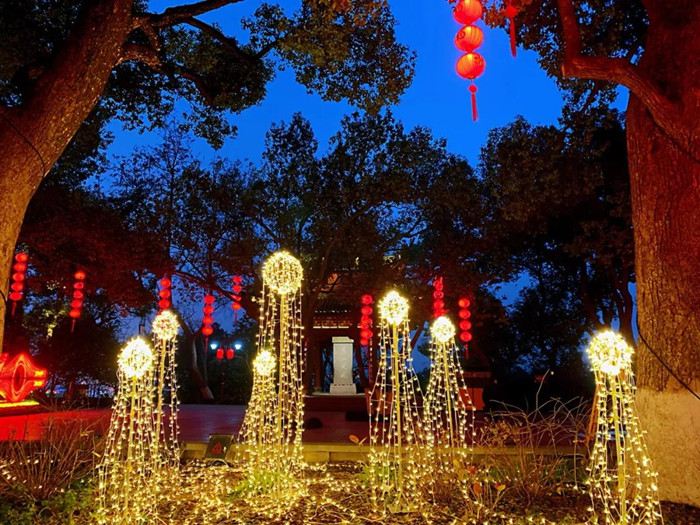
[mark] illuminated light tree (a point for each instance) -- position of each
(623, 485)
(126, 489)
(258, 431)
(278, 434)
(165, 330)
(447, 409)
(398, 439)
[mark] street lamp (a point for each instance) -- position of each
(238, 345)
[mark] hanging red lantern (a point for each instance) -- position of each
(469, 38)
(236, 297)
(465, 326)
(511, 12)
(438, 296)
(208, 320)
(18, 277)
(366, 320)
(219, 353)
(230, 353)
(78, 296)
(165, 294)
(468, 11)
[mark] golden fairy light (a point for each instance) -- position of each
(398, 439)
(447, 410)
(622, 482)
(165, 329)
(126, 481)
(274, 422)
(282, 273)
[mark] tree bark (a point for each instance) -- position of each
(665, 184)
(34, 135)
(663, 139)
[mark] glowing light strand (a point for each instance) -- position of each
(622, 482)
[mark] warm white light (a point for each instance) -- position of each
(394, 308)
(265, 363)
(136, 358)
(443, 331)
(282, 272)
(166, 326)
(609, 353)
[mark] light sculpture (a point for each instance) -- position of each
(165, 329)
(447, 408)
(273, 425)
(398, 439)
(126, 483)
(622, 482)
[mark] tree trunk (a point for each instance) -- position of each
(665, 185)
(50, 115)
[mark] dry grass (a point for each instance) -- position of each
(35, 471)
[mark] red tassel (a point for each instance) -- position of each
(235, 316)
(473, 90)
(14, 307)
(72, 326)
(466, 352)
(511, 12)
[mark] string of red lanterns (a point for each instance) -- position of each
(471, 65)
(366, 320)
(165, 294)
(465, 325)
(208, 320)
(438, 296)
(237, 289)
(78, 296)
(19, 270)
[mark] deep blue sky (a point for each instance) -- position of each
(438, 98)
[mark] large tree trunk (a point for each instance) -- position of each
(52, 112)
(665, 184)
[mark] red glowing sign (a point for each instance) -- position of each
(19, 376)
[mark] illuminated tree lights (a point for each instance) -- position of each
(398, 452)
(127, 486)
(165, 329)
(447, 408)
(273, 425)
(622, 482)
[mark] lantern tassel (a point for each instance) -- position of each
(473, 90)
(72, 326)
(14, 307)
(235, 316)
(513, 46)
(466, 351)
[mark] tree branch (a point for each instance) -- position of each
(177, 15)
(665, 114)
(228, 43)
(141, 53)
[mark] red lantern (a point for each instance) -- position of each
(438, 295)
(468, 11)
(366, 320)
(208, 320)
(469, 38)
(236, 297)
(230, 353)
(18, 278)
(219, 353)
(511, 12)
(165, 293)
(78, 296)
(465, 326)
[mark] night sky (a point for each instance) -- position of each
(438, 98)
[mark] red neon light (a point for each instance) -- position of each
(19, 376)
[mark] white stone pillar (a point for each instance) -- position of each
(343, 384)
